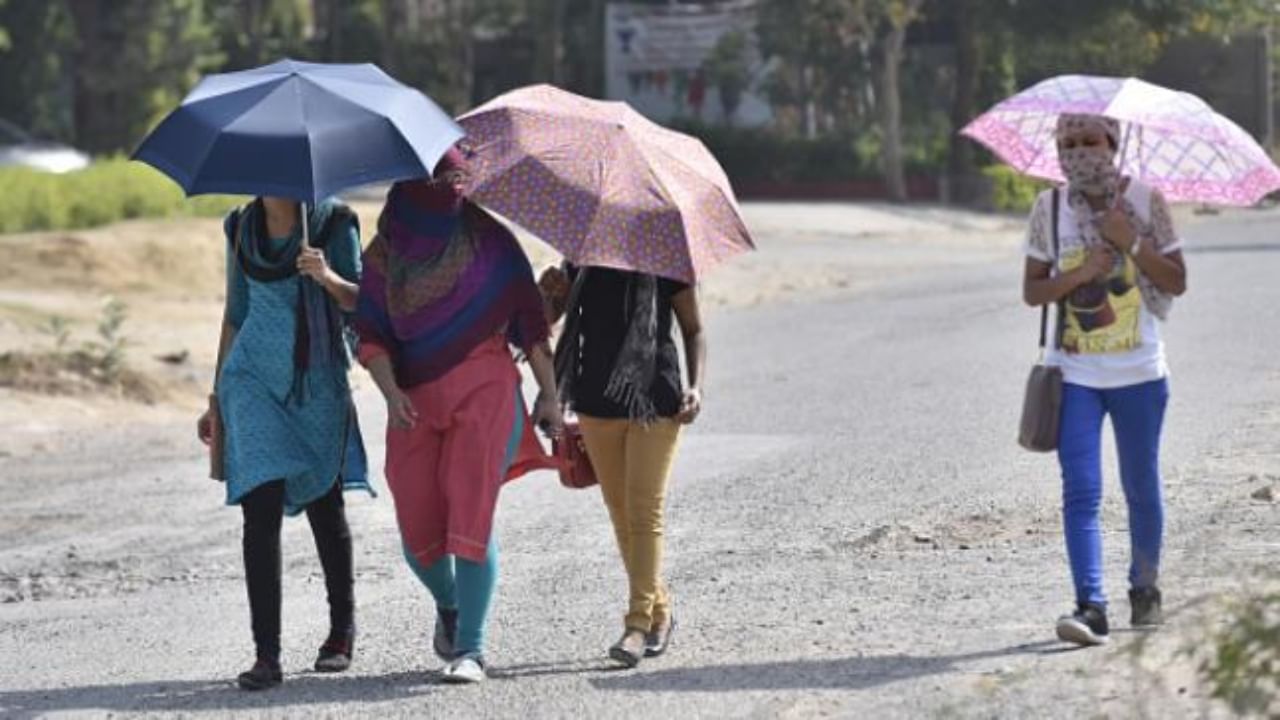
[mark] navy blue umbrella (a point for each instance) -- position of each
(299, 130)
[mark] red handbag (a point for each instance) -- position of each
(575, 466)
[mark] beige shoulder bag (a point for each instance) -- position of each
(1042, 406)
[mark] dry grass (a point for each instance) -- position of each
(76, 373)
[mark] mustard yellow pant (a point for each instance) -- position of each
(633, 462)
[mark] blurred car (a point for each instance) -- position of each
(18, 148)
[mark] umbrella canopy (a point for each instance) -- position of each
(299, 130)
(602, 184)
(1172, 140)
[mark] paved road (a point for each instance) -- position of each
(852, 533)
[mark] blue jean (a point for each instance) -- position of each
(1137, 415)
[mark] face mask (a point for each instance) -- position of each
(1089, 169)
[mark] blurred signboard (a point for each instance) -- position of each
(656, 59)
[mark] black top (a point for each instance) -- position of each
(603, 328)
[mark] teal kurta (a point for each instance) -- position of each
(309, 439)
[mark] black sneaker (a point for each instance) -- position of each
(445, 635)
(1087, 626)
(1145, 607)
(264, 674)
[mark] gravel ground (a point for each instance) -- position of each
(853, 532)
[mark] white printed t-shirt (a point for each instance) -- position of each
(1109, 339)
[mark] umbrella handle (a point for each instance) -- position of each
(1120, 158)
(306, 230)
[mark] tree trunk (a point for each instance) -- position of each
(254, 31)
(810, 105)
(969, 58)
(891, 113)
(86, 98)
(460, 20)
(336, 21)
(548, 40)
(390, 23)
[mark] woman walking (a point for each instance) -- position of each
(1104, 248)
(283, 406)
(618, 369)
(446, 292)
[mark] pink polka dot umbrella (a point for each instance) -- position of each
(602, 184)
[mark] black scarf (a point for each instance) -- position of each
(631, 380)
(319, 333)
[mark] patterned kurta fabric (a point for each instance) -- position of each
(270, 436)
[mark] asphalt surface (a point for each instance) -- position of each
(852, 533)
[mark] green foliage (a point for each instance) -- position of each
(727, 70)
(59, 329)
(34, 70)
(134, 61)
(1244, 668)
(823, 72)
(103, 193)
(109, 350)
(1012, 191)
(758, 155)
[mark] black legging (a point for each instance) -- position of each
(263, 513)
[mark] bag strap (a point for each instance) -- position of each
(1044, 309)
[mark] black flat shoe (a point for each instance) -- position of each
(658, 639)
(336, 653)
(264, 674)
(629, 650)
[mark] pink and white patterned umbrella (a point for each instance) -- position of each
(602, 184)
(1172, 140)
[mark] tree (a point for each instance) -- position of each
(547, 26)
(820, 50)
(34, 68)
(726, 69)
(254, 32)
(133, 61)
(893, 17)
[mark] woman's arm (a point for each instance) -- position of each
(1167, 271)
(1041, 287)
(339, 275)
(554, 286)
(401, 414)
(689, 316)
(234, 310)
(546, 409)
(312, 263)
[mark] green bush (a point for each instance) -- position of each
(105, 192)
(758, 155)
(1012, 191)
(1244, 668)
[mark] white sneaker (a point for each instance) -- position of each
(466, 670)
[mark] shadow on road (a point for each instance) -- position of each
(194, 696)
(855, 673)
(551, 669)
(1231, 248)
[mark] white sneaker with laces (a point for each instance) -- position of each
(466, 670)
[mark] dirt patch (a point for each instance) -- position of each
(76, 373)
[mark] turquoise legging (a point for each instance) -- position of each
(465, 586)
